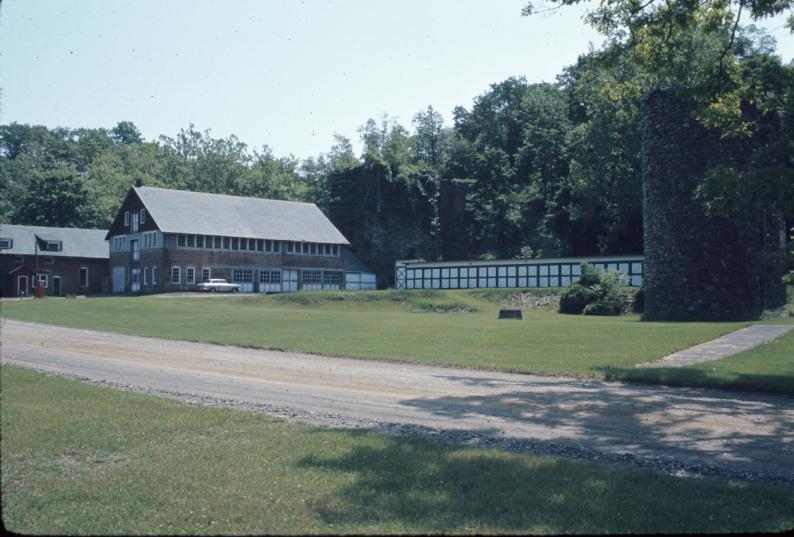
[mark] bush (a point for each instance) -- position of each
(638, 305)
(593, 294)
(574, 299)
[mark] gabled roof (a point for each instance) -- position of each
(181, 211)
(76, 242)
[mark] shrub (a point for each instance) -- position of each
(638, 305)
(575, 298)
(593, 294)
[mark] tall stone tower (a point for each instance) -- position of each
(699, 267)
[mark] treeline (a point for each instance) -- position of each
(546, 169)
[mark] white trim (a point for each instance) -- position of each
(188, 279)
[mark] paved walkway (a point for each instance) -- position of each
(726, 345)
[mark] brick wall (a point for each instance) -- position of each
(65, 268)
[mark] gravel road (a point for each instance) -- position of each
(676, 430)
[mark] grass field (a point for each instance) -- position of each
(78, 459)
(417, 326)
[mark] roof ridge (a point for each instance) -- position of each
(194, 192)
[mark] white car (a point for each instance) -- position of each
(220, 285)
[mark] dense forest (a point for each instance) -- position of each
(546, 169)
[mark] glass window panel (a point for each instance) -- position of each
(453, 284)
(576, 270)
(544, 282)
(436, 284)
(554, 270)
(511, 271)
(565, 281)
(544, 271)
(511, 282)
(491, 282)
(522, 270)
(491, 271)
(623, 268)
(636, 280)
(565, 270)
(502, 282)
(522, 282)
(436, 273)
(453, 273)
(612, 266)
(532, 282)
(636, 268)
(533, 270)
(502, 271)
(444, 273)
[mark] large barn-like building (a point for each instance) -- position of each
(168, 240)
(71, 261)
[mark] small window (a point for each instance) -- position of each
(312, 276)
(145, 275)
(19, 259)
(44, 277)
(180, 241)
(175, 276)
(154, 276)
(260, 245)
(205, 275)
(243, 244)
(313, 249)
(207, 241)
(305, 247)
(199, 241)
(290, 247)
(54, 246)
(83, 276)
(335, 249)
(268, 246)
(143, 217)
(327, 249)
(135, 222)
(126, 218)
(191, 241)
(235, 243)
(332, 278)
(276, 246)
(226, 243)
(6, 244)
(190, 275)
(243, 275)
(218, 242)
(269, 276)
(251, 244)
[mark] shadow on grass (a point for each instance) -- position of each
(782, 384)
(428, 486)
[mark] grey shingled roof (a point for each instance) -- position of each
(76, 242)
(181, 211)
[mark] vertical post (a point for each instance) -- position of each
(36, 267)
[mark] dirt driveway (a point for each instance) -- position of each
(686, 431)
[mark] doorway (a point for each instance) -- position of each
(22, 286)
(56, 286)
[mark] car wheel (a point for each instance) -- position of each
(212, 289)
(234, 290)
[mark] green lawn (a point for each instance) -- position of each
(407, 326)
(78, 459)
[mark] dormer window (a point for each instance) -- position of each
(6, 244)
(126, 218)
(143, 216)
(54, 246)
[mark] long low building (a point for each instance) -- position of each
(508, 273)
(172, 240)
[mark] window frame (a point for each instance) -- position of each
(9, 244)
(178, 271)
(190, 276)
(82, 284)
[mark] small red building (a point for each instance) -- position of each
(71, 261)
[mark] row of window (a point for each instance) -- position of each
(546, 275)
(266, 276)
(255, 245)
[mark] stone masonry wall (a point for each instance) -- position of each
(699, 267)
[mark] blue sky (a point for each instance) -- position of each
(288, 74)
